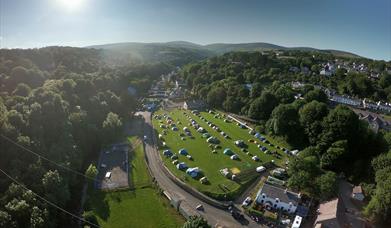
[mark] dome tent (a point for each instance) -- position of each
(228, 151)
(183, 151)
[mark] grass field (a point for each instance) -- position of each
(142, 207)
(210, 163)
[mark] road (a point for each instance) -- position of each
(216, 217)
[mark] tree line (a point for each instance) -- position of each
(64, 104)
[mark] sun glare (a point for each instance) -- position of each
(71, 4)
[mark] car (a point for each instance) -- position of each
(247, 202)
(200, 207)
(237, 215)
(103, 165)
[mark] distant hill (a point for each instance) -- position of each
(182, 52)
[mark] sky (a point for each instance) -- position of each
(359, 26)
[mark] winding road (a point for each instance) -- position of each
(216, 217)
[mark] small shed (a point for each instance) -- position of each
(357, 193)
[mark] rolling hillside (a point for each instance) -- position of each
(182, 52)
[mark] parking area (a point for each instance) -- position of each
(113, 168)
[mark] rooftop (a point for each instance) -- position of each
(328, 210)
(280, 193)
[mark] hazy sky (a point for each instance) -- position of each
(359, 26)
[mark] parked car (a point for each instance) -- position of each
(200, 207)
(247, 202)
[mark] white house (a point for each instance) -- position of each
(278, 198)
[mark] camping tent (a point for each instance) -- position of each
(234, 157)
(206, 135)
(228, 151)
(167, 153)
(204, 180)
(183, 151)
(255, 158)
(239, 143)
(181, 166)
(212, 140)
(193, 172)
(201, 130)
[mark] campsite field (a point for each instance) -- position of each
(143, 206)
(210, 163)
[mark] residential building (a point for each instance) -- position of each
(330, 214)
(278, 198)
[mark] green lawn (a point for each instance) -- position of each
(208, 162)
(141, 207)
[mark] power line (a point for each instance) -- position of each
(48, 202)
(46, 159)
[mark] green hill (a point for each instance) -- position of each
(182, 52)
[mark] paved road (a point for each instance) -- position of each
(213, 215)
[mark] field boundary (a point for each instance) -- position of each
(184, 186)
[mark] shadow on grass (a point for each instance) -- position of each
(100, 207)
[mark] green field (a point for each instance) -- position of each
(142, 207)
(210, 163)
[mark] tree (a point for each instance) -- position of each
(6, 220)
(256, 90)
(379, 207)
(22, 90)
(335, 156)
(262, 107)
(38, 217)
(196, 222)
(327, 184)
(316, 95)
(91, 172)
(91, 218)
(311, 116)
(232, 104)
(216, 96)
(284, 121)
(285, 94)
(112, 127)
(56, 189)
(341, 123)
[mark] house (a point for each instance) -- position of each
(357, 193)
(278, 198)
(194, 105)
(330, 214)
(375, 122)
